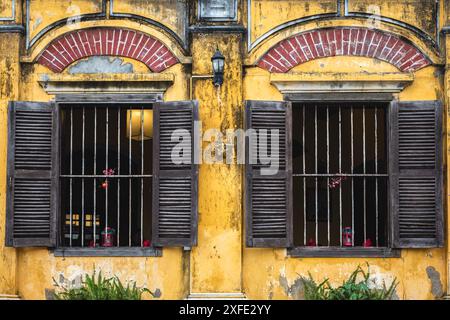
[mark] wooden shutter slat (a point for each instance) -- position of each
(32, 175)
(268, 197)
(416, 174)
(174, 185)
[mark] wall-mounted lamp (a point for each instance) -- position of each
(141, 124)
(218, 62)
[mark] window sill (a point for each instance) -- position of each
(107, 252)
(336, 252)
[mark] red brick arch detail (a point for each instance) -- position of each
(349, 41)
(80, 44)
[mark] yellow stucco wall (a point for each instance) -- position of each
(271, 273)
(216, 261)
(220, 262)
(9, 80)
(36, 268)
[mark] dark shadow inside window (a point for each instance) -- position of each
(340, 177)
(122, 201)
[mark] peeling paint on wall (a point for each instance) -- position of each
(221, 261)
(296, 290)
(436, 284)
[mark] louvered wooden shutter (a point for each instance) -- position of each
(32, 175)
(416, 174)
(268, 198)
(174, 185)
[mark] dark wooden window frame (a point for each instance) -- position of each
(357, 252)
(60, 251)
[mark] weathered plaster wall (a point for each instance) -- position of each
(220, 263)
(271, 273)
(447, 146)
(9, 89)
(36, 268)
(29, 272)
(216, 261)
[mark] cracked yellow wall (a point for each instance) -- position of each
(36, 268)
(216, 261)
(447, 146)
(272, 274)
(9, 89)
(220, 263)
(28, 272)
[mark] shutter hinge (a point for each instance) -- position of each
(10, 182)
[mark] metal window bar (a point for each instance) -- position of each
(316, 193)
(340, 172)
(376, 180)
(94, 221)
(328, 178)
(71, 181)
(71, 176)
(352, 169)
(352, 175)
(118, 181)
(142, 172)
(129, 180)
(364, 170)
(107, 166)
(82, 179)
(304, 180)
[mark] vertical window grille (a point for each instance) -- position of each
(340, 174)
(106, 175)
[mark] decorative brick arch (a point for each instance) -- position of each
(349, 41)
(80, 44)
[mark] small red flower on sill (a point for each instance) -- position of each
(312, 243)
(367, 243)
(146, 243)
(92, 245)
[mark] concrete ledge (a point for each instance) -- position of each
(336, 82)
(217, 296)
(106, 83)
(107, 252)
(9, 297)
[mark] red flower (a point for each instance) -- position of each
(146, 243)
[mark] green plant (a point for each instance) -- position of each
(101, 288)
(351, 288)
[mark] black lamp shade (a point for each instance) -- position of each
(218, 63)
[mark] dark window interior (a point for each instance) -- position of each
(340, 174)
(121, 200)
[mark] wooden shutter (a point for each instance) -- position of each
(268, 198)
(175, 186)
(32, 176)
(416, 174)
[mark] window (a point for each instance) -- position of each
(106, 173)
(354, 179)
(94, 175)
(340, 174)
